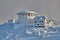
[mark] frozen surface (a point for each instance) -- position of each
(7, 32)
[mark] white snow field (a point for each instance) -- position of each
(8, 32)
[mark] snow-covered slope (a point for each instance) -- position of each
(8, 32)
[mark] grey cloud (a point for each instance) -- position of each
(8, 8)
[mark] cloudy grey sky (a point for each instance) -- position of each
(9, 8)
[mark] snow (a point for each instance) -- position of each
(30, 33)
(13, 31)
(38, 18)
(26, 12)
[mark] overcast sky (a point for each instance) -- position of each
(9, 8)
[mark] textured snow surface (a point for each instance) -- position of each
(7, 32)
